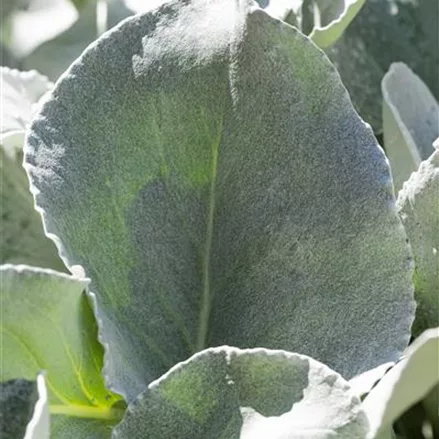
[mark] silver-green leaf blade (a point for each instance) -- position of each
(22, 236)
(47, 324)
(410, 121)
(418, 206)
(206, 213)
(246, 394)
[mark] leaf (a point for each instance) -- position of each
(21, 92)
(418, 206)
(21, 231)
(55, 56)
(40, 21)
(39, 425)
(142, 6)
(245, 394)
(405, 384)
(23, 409)
(208, 214)
(324, 21)
(47, 324)
(362, 384)
(410, 120)
(382, 33)
(332, 18)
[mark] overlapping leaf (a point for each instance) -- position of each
(418, 205)
(56, 55)
(246, 394)
(23, 409)
(410, 121)
(407, 383)
(382, 33)
(21, 92)
(206, 213)
(47, 324)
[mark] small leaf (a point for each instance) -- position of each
(245, 394)
(410, 121)
(47, 324)
(55, 56)
(40, 21)
(418, 206)
(405, 384)
(362, 384)
(207, 214)
(17, 402)
(21, 92)
(331, 18)
(39, 425)
(384, 32)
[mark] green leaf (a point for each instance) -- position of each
(382, 33)
(405, 384)
(47, 324)
(23, 409)
(418, 206)
(21, 92)
(332, 18)
(431, 407)
(324, 21)
(207, 214)
(21, 231)
(55, 56)
(410, 121)
(40, 21)
(245, 394)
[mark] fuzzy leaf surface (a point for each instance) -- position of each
(47, 324)
(246, 394)
(207, 214)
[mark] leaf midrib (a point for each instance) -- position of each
(206, 298)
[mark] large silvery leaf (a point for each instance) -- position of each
(211, 207)
(382, 33)
(418, 206)
(23, 409)
(20, 94)
(410, 121)
(55, 56)
(246, 394)
(22, 235)
(47, 324)
(405, 384)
